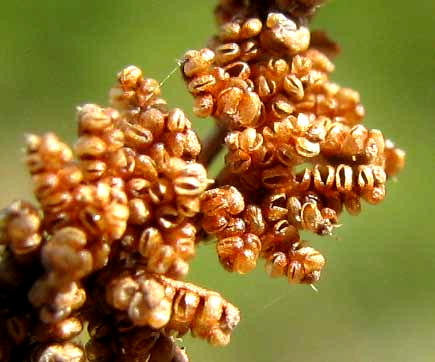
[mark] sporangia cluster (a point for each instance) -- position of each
(297, 153)
(97, 271)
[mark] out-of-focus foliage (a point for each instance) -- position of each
(376, 298)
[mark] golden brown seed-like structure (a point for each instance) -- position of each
(130, 200)
(20, 228)
(136, 168)
(239, 253)
(265, 78)
(65, 352)
(395, 159)
(108, 340)
(162, 180)
(139, 344)
(160, 302)
(119, 223)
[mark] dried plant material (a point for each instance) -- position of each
(104, 255)
(177, 307)
(283, 36)
(63, 330)
(131, 198)
(20, 228)
(66, 352)
(108, 341)
(239, 253)
(395, 159)
(157, 347)
(302, 265)
(297, 151)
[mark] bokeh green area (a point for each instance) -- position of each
(376, 299)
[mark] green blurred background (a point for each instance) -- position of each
(376, 299)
